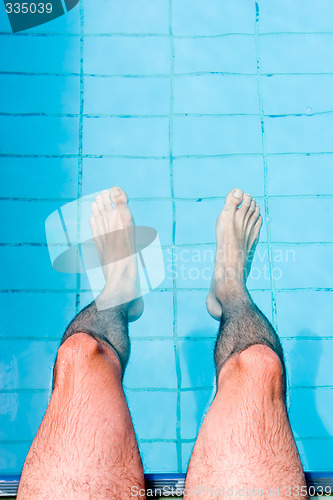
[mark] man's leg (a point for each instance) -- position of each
(86, 446)
(245, 444)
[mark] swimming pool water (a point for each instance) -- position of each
(177, 101)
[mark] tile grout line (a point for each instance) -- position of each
(138, 116)
(184, 199)
(174, 287)
(166, 157)
(264, 157)
(160, 75)
(160, 35)
(80, 157)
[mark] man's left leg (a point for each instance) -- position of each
(86, 446)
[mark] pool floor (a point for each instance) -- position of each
(176, 101)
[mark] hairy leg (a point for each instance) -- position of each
(86, 446)
(245, 442)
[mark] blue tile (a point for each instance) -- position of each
(61, 226)
(156, 214)
(154, 414)
(126, 96)
(85, 299)
(193, 319)
(40, 54)
(129, 16)
(197, 363)
(296, 16)
(158, 457)
(193, 267)
(127, 55)
(152, 364)
(30, 268)
(49, 324)
(310, 412)
(39, 135)
(296, 53)
(316, 454)
(170, 271)
(193, 406)
(131, 136)
(206, 177)
(308, 362)
(296, 219)
(263, 300)
(216, 135)
(157, 305)
(140, 178)
(12, 457)
(259, 278)
(299, 175)
(305, 314)
(24, 221)
(187, 449)
(216, 94)
(296, 134)
(21, 414)
(231, 54)
(4, 22)
(27, 364)
(68, 23)
(39, 94)
(30, 177)
(193, 17)
(292, 269)
(196, 220)
(292, 94)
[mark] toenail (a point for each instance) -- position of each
(237, 193)
(116, 190)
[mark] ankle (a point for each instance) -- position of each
(231, 291)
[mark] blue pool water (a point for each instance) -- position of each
(177, 101)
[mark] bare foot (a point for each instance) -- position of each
(113, 230)
(237, 234)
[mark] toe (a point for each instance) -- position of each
(250, 211)
(251, 215)
(95, 210)
(118, 196)
(234, 199)
(93, 224)
(107, 200)
(100, 204)
(255, 232)
(247, 201)
(96, 220)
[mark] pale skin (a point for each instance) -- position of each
(86, 447)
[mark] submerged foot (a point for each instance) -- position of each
(113, 230)
(237, 234)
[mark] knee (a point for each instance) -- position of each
(259, 366)
(261, 360)
(79, 348)
(81, 353)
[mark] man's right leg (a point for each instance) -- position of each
(245, 445)
(86, 447)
